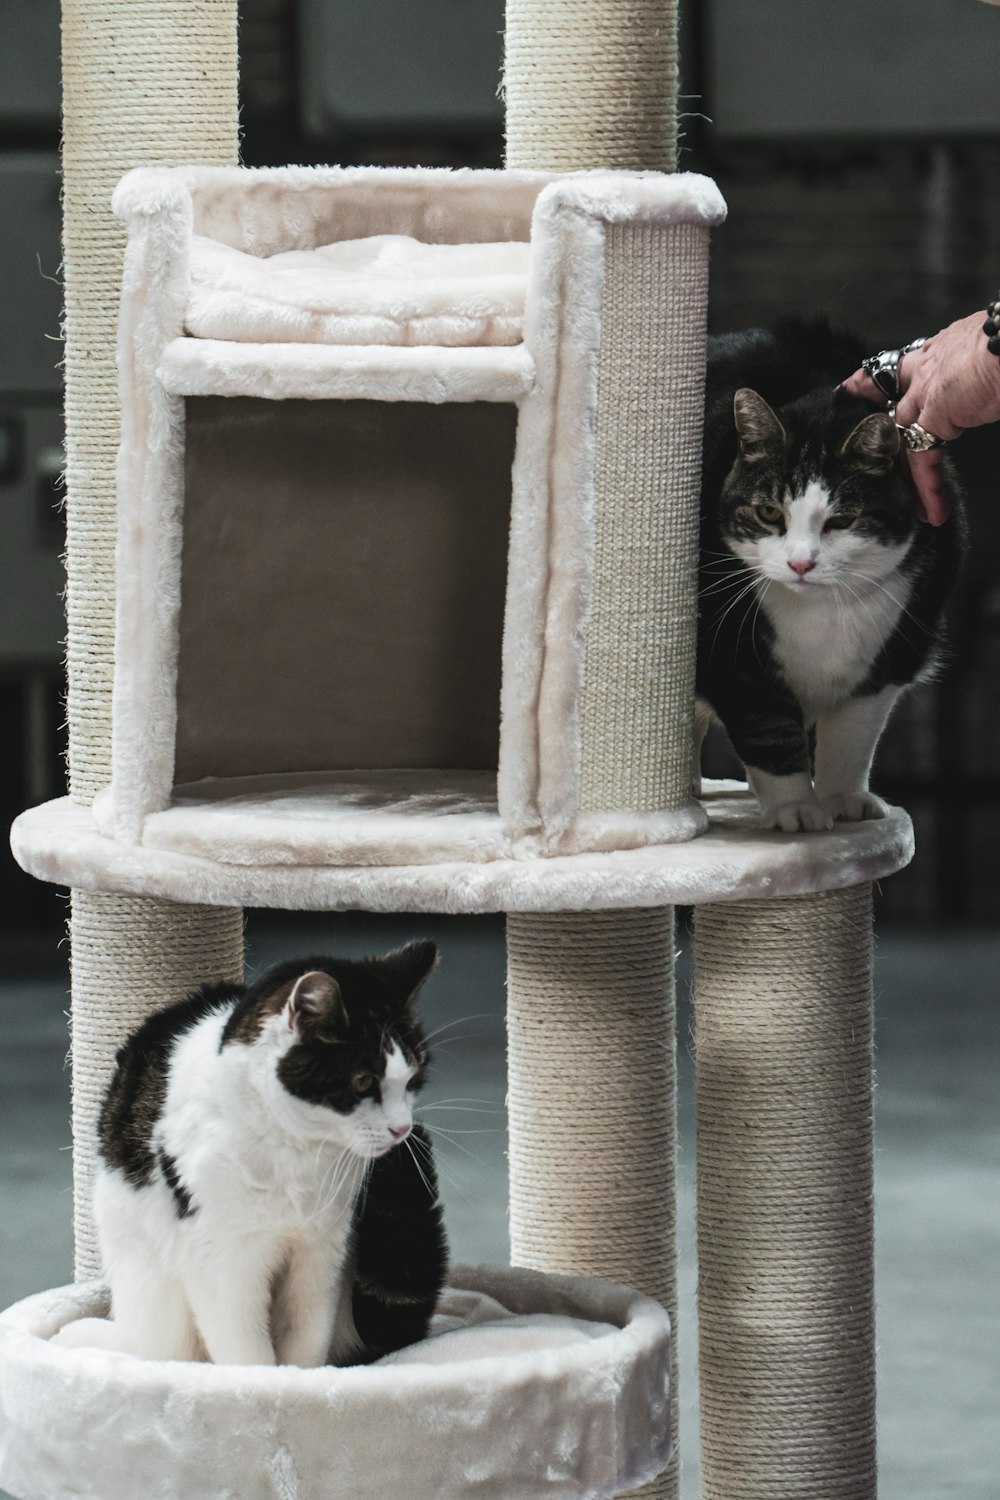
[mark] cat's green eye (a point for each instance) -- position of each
(770, 512)
(363, 1082)
(838, 522)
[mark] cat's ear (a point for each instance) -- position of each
(409, 968)
(759, 428)
(316, 1005)
(874, 443)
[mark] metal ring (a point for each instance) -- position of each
(883, 368)
(919, 440)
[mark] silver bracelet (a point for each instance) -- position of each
(991, 328)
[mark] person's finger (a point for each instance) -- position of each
(928, 478)
(914, 407)
(861, 384)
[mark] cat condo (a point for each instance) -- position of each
(403, 619)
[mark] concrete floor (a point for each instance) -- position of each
(937, 1170)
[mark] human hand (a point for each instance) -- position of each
(950, 383)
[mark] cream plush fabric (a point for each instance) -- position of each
(382, 289)
(734, 861)
(534, 1387)
(184, 219)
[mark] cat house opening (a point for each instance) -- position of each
(343, 576)
(344, 610)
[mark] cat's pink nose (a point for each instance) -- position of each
(399, 1132)
(802, 566)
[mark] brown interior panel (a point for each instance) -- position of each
(343, 582)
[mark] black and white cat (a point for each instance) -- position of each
(255, 1201)
(821, 593)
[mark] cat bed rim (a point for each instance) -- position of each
(589, 1416)
(645, 1321)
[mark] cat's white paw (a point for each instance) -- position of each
(854, 807)
(793, 817)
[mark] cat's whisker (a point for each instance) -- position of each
(756, 614)
(422, 1110)
(745, 593)
(461, 1036)
(720, 585)
(408, 1143)
(437, 1129)
(463, 1102)
(746, 613)
(444, 1175)
(460, 1021)
(878, 583)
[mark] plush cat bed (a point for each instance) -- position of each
(529, 1386)
(383, 289)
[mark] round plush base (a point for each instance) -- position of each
(529, 1386)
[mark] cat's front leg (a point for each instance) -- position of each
(846, 737)
(771, 742)
(306, 1302)
(228, 1287)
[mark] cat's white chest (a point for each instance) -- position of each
(825, 641)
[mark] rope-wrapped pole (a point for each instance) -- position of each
(591, 1017)
(145, 82)
(591, 83)
(785, 1222)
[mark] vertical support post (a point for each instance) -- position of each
(590, 997)
(130, 955)
(785, 1216)
(145, 82)
(590, 1097)
(591, 84)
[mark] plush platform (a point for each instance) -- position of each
(383, 289)
(733, 861)
(530, 1386)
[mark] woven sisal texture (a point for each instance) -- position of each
(130, 956)
(143, 84)
(591, 83)
(638, 697)
(785, 1236)
(590, 1019)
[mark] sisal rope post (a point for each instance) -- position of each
(591, 83)
(638, 696)
(785, 1216)
(145, 82)
(590, 996)
(591, 1145)
(129, 956)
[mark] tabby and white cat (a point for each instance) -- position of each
(255, 1200)
(821, 593)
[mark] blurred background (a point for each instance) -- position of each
(858, 147)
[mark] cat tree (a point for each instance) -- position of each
(569, 809)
